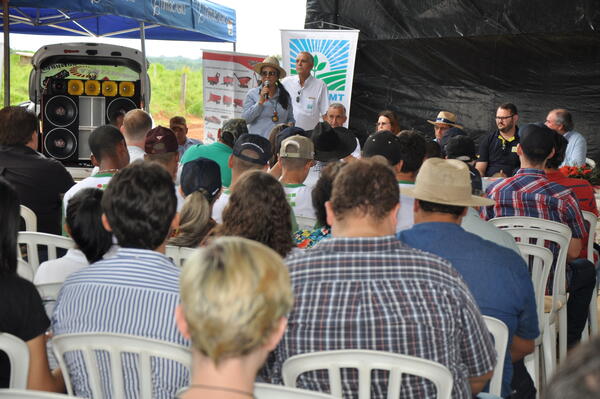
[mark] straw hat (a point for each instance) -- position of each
(445, 181)
(270, 62)
(446, 118)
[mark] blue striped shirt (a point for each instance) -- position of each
(133, 293)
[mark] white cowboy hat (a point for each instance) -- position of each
(270, 62)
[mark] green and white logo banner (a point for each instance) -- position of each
(334, 52)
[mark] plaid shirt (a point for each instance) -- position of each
(377, 293)
(530, 193)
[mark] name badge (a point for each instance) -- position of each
(514, 149)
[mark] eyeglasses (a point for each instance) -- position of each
(268, 73)
(501, 118)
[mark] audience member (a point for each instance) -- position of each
(331, 145)
(273, 140)
(497, 277)
(498, 150)
(311, 97)
(286, 132)
(161, 147)
(336, 117)
(258, 210)
(387, 120)
(367, 290)
(296, 158)
(109, 154)
(530, 193)
(235, 295)
(136, 291)
(116, 118)
(21, 311)
(83, 223)
(561, 121)
(221, 150)
(442, 126)
(201, 186)
(320, 194)
(136, 124)
(250, 152)
(432, 149)
(40, 182)
(463, 148)
(178, 125)
(578, 377)
(405, 153)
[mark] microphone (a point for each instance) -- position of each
(266, 84)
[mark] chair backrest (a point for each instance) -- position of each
(305, 222)
(499, 331)
(179, 254)
(592, 220)
(270, 391)
(185, 253)
(24, 270)
(115, 345)
(33, 240)
(49, 293)
(540, 261)
(18, 355)
(28, 394)
(30, 218)
(365, 361)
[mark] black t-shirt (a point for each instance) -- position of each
(501, 155)
(22, 314)
(40, 183)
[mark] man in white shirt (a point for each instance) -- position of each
(296, 157)
(309, 95)
(136, 124)
(109, 154)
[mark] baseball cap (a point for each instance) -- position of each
(384, 143)
(461, 148)
(160, 140)
(201, 173)
(297, 147)
(232, 129)
(259, 145)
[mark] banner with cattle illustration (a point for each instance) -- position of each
(334, 52)
(227, 78)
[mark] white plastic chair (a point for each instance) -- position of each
(18, 355)
(26, 394)
(179, 254)
(590, 162)
(499, 331)
(24, 270)
(49, 293)
(527, 229)
(30, 218)
(540, 261)
(270, 391)
(592, 325)
(305, 223)
(365, 361)
(115, 345)
(33, 239)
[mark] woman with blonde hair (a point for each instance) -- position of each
(235, 294)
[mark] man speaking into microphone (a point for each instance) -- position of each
(269, 104)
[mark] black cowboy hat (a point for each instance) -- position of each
(332, 143)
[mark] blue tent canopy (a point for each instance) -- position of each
(188, 20)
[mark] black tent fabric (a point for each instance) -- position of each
(418, 57)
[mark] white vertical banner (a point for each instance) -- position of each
(227, 79)
(334, 52)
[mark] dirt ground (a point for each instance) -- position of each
(195, 124)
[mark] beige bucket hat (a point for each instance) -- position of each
(270, 62)
(445, 181)
(446, 118)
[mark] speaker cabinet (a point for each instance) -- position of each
(60, 122)
(121, 98)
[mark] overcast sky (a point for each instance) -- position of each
(258, 25)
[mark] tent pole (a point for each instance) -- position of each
(144, 72)
(6, 54)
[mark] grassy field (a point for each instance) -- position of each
(166, 89)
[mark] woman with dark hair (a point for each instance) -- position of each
(258, 210)
(321, 193)
(84, 224)
(269, 104)
(387, 120)
(21, 311)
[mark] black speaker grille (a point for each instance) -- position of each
(60, 143)
(61, 111)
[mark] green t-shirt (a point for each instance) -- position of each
(217, 152)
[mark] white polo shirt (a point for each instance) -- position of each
(299, 197)
(314, 100)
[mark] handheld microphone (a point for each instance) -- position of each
(266, 84)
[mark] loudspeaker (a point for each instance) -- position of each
(121, 97)
(60, 121)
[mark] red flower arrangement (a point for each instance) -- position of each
(582, 172)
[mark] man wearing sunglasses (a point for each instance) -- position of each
(310, 97)
(498, 150)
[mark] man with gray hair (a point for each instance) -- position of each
(561, 121)
(309, 95)
(136, 124)
(336, 117)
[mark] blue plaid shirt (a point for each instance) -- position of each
(377, 293)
